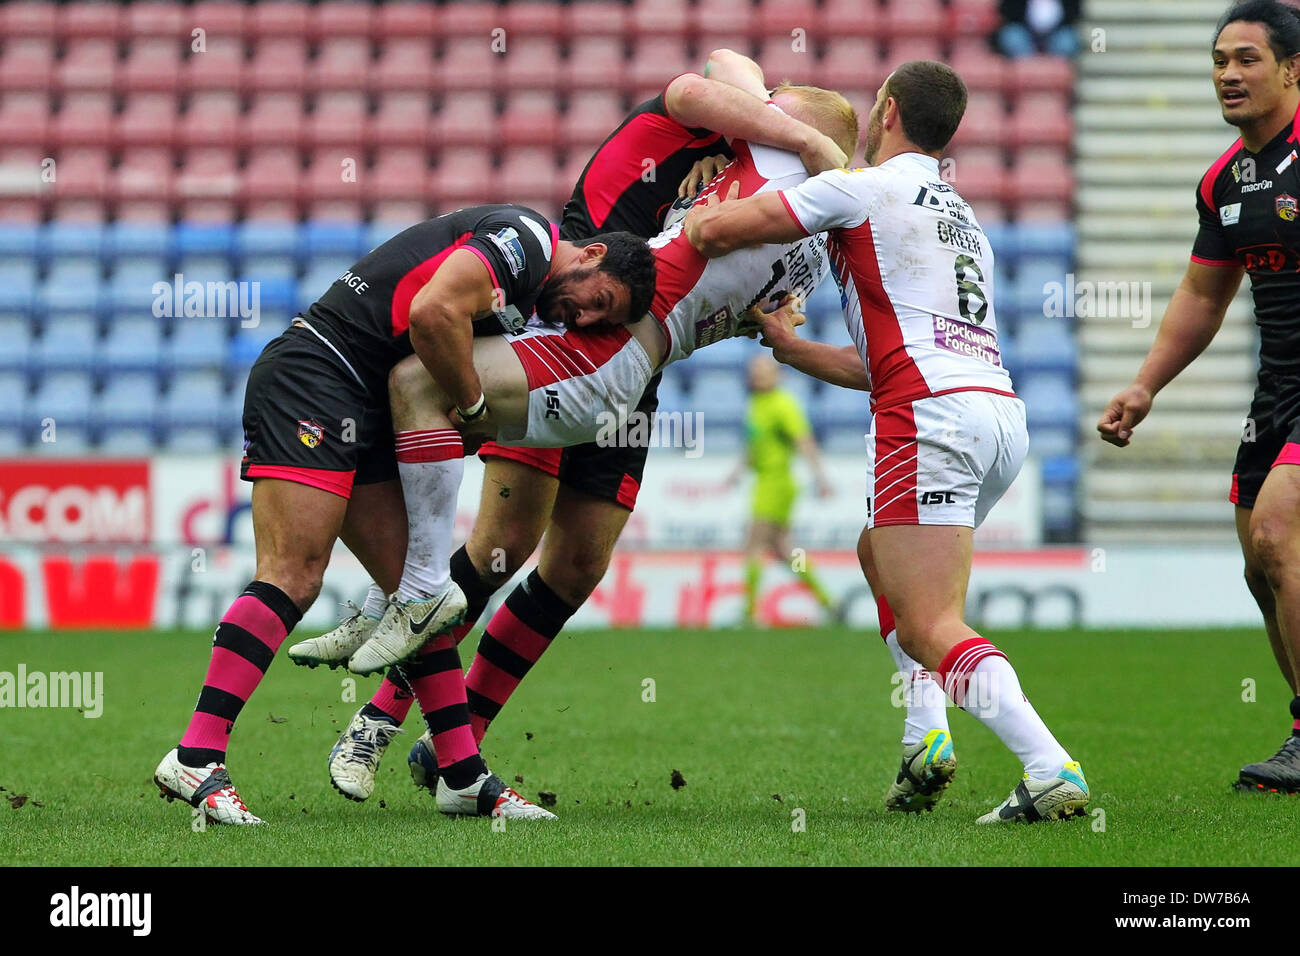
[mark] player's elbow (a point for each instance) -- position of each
(684, 97)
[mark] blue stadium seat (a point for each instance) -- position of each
(1049, 400)
(63, 238)
(729, 355)
(132, 344)
(190, 441)
(377, 233)
(204, 238)
(197, 344)
(129, 400)
(277, 295)
(343, 239)
(845, 440)
(255, 241)
(130, 289)
(231, 422)
(20, 240)
(318, 278)
(13, 442)
(672, 397)
(72, 285)
(1032, 275)
(16, 334)
(1004, 238)
(17, 285)
(70, 441)
(1052, 441)
(64, 397)
(126, 441)
(67, 343)
(13, 399)
(837, 407)
(133, 240)
(193, 401)
(205, 268)
(721, 395)
(1045, 345)
(1046, 238)
(247, 345)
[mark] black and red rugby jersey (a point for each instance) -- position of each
(365, 313)
(631, 180)
(1249, 207)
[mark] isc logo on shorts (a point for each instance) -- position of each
(937, 498)
(552, 403)
(310, 434)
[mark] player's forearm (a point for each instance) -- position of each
(736, 114)
(445, 344)
(838, 365)
(1189, 325)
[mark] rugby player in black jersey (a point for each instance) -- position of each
(319, 440)
(1247, 203)
(580, 496)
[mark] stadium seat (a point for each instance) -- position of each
(196, 343)
(528, 63)
(655, 61)
(848, 18)
(338, 119)
(843, 440)
(1045, 345)
(152, 65)
(398, 21)
(272, 173)
(902, 49)
(1049, 401)
(401, 173)
(607, 18)
(132, 344)
(274, 119)
(221, 17)
(669, 19)
(721, 395)
(204, 239)
(247, 345)
(1041, 74)
(129, 290)
(85, 120)
(592, 115)
(279, 19)
(60, 239)
(980, 69)
(1040, 118)
(534, 20)
(341, 63)
(13, 411)
(465, 119)
(27, 64)
(278, 63)
(404, 118)
(341, 18)
(64, 397)
(193, 401)
(28, 19)
(842, 408)
(467, 63)
(475, 20)
(149, 119)
(782, 17)
(719, 16)
(147, 19)
(913, 18)
(255, 240)
(66, 343)
(342, 240)
(380, 231)
(1039, 176)
(17, 290)
(984, 122)
(208, 174)
(82, 173)
(781, 60)
(71, 286)
(26, 119)
(978, 173)
(530, 119)
(463, 175)
(133, 240)
(406, 63)
(88, 64)
(220, 66)
(971, 18)
(594, 63)
(529, 172)
(128, 441)
(144, 173)
(853, 65)
(129, 400)
(729, 355)
(213, 119)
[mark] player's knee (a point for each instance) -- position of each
(1269, 539)
(575, 575)
(301, 583)
(499, 554)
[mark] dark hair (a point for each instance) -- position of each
(629, 260)
(1280, 22)
(931, 100)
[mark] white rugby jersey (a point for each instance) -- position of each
(699, 301)
(915, 273)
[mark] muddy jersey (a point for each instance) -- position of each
(700, 301)
(915, 273)
(365, 313)
(1249, 208)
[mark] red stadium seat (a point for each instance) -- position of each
(912, 48)
(464, 176)
(82, 174)
(594, 63)
(145, 18)
(207, 210)
(849, 18)
(212, 119)
(530, 118)
(219, 67)
(152, 64)
(984, 122)
(979, 67)
(333, 173)
(469, 63)
(914, 18)
(208, 173)
(338, 119)
(534, 20)
(528, 172)
(85, 120)
(271, 174)
(591, 117)
(340, 18)
(973, 17)
(279, 63)
(219, 17)
(476, 20)
(149, 119)
(20, 209)
(342, 63)
(87, 210)
(655, 61)
(853, 63)
(398, 174)
(30, 19)
(1041, 174)
(88, 64)
(278, 19)
(25, 118)
(706, 43)
(394, 21)
(574, 163)
(781, 17)
(465, 119)
(399, 211)
(275, 119)
(1049, 73)
(1042, 118)
(144, 173)
(90, 20)
(528, 63)
(660, 18)
(404, 118)
(603, 18)
(781, 61)
(977, 172)
(27, 64)
(405, 63)
(141, 210)
(723, 16)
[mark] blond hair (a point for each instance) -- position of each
(825, 111)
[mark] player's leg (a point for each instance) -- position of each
(798, 563)
(928, 762)
(1274, 544)
(295, 526)
(430, 462)
(1257, 584)
(759, 543)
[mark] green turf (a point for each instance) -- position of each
(765, 727)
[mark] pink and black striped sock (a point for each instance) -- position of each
(1295, 714)
(438, 682)
(393, 699)
(250, 633)
(519, 633)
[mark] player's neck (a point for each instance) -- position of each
(885, 154)
(1261, 132)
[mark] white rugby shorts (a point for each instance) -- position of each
(944, 460)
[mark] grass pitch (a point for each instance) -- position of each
(786, 741)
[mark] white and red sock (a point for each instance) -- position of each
(926, 703)
(431, 463)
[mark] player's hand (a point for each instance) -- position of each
(824, 488)
(474, 434)
(776, 328)
(822, 154)
(703, 170)
(1123, 414)
(691, 223)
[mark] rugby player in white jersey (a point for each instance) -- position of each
(948, 435)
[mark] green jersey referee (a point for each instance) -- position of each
(776, 430)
